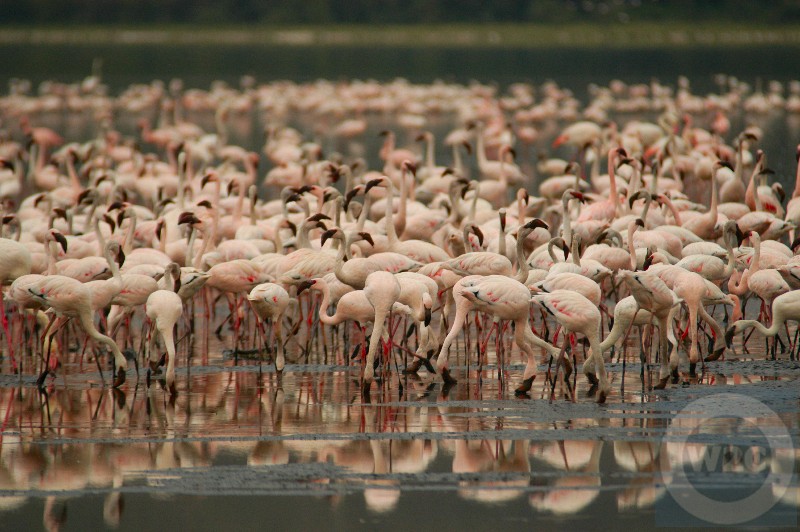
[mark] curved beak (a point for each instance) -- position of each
(303, 286)
(61, 239)
(368, 238)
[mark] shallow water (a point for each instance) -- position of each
(238, 434)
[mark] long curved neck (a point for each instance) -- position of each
(619, 327)
(467, 242)
(473, 206)
(362, 218)
(731, 257)
(631, 248)
(458, 164)
(400, 219)
(326, 298)
(190, 246)
(796, 192)
(480, 148)
(754, 262)
(340, 257)
(302, 240)
(73, 175)
(751, 187)
(128, 246)
(112, 264)
(522, 264)
(391, 233)
(429, 160)
(101, 240)
(52, 257)
(239, 207)
(612, 183)
(671, 206)
(198, 259)
(648, 199)
(714, 198)
(576, 252)
(772, 330)
(181, 180)
(738, 170)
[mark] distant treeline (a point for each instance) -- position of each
(298, 12)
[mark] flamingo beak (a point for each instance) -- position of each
(427, 317)
(729, 336)
(303, 286)
(479, 234)
(61, 239)
(326, 235)
(368, 238)
(536, 222)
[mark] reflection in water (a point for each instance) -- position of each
(237, 431)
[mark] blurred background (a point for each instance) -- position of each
(252, 12)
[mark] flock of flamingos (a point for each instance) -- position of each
(656, 225)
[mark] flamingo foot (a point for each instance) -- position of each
(447, 378)
(715, 355)
(414, 367)
(525, 387)
(601, 397)
(120, 378)
(662, 383)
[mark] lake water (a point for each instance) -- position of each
(242, 448)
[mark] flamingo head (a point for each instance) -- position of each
(729, 336)
(188, 218)
(367, 238)
(330, 233)
(305, 285)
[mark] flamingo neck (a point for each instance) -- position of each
(522, 264)
(612, 183)
(400, 220)
(73, 175)
(391, 233)
(429, 161)
(714, 198)
(796, 192)
(52, 257)
(631, 248)
(754, 262)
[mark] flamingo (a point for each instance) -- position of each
(652, 294)
(15, 262)
(606, 210)
(72, 299)
(270, 300)
(577, 314)
(164, 308)
(382, 291)
(785, 307)
(504, 298)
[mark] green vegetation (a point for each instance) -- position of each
(646, 34)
